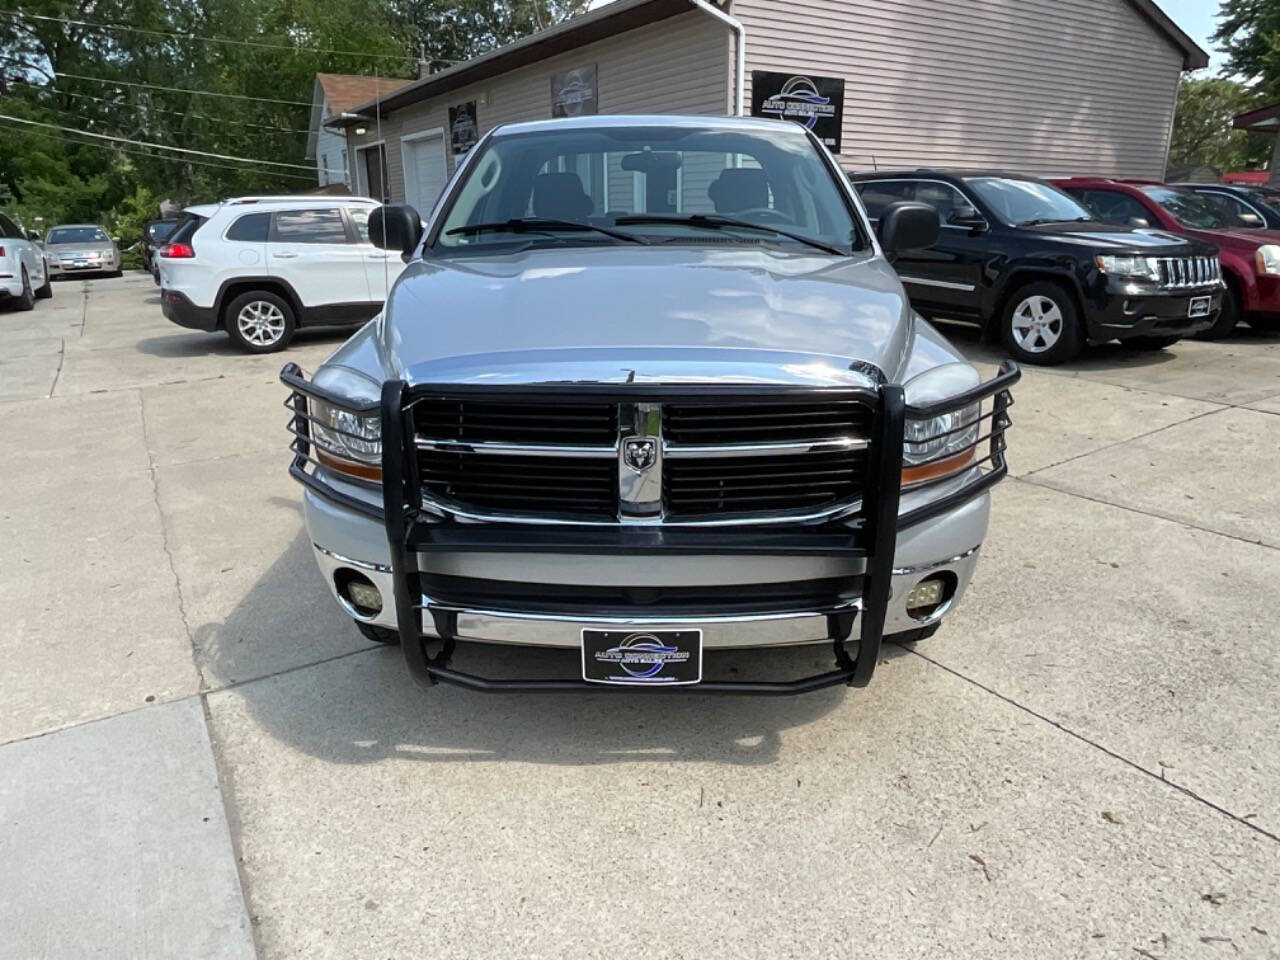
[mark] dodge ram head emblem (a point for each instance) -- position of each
(639, 454)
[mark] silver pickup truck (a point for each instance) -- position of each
(649, 389)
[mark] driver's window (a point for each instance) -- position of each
(950, 203)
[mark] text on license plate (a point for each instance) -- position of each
(639, 657)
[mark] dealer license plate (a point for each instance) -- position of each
(1199, 307)
(82, 263)
(642, 657)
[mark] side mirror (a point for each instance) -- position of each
(908, 226)
(396, 227)
(1250, 219)
(1138, 223)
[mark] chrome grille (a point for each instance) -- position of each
(712, 459)
(1178, 272)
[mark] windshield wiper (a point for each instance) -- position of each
(1039, 220)
(715, 221)
(542, 225)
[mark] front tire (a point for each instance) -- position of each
(1040, 324)
(378, 634)
(260, 321)
(1228, 316)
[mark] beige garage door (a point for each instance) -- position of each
(425, 171)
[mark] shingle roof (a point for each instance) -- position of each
(343, 91)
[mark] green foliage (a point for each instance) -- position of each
(61, 177)
(1249, 34)
(1202, 132)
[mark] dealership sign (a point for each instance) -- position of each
(573, 92)
(811, 101)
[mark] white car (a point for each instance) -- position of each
(24, 278)
(261, 267)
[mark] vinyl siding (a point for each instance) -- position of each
(1046, 87)
(680, 65)
(329, 145)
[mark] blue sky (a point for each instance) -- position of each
(1198, 19)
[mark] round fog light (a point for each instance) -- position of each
(927, 597)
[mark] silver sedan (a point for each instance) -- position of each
(81, 248)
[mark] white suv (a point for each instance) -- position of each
(24, 277)
(260, 267)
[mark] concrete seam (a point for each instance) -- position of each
(168, 549)
(235, 684)
(84, 308)
(1045, 485)
(57, 374)
(1117, 443)
(1097, 746)
(235, 828)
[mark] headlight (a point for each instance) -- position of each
(1137, 268)
(944, 445)
(347, 442)
(1268, 259)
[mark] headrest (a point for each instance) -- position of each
(560, 196)
(738, 189)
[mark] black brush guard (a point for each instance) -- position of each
(410, 532)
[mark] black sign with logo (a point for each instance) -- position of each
(811, 101)
(573, 92)
(464, 130)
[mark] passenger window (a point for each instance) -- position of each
(1233, 207)
(251, 228)
(950, 203)
(309, 226)
(878, 194)
(360, 217)
(7, 229)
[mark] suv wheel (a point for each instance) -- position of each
(27, 299)
(1040, 324)
(1228, 316)
(260, 321)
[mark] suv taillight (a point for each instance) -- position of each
(1, 251)
(178, 251)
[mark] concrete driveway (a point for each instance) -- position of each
(202, 758)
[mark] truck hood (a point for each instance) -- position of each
(1105, 237)
(609, 314)
(1245, 241)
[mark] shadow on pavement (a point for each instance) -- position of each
(364, 707)
(196, 343)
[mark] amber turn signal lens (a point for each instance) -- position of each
(351, 468)
(938, 469)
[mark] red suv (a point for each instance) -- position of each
(1250, 257)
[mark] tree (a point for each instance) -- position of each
(1249, 34)
(452, 30)
(1202, 132)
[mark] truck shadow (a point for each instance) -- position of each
(362, 706)
(196, 343)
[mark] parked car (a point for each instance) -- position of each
(23, 275)
(1250, 257)
(154, 236)
(1030, 264)
(1253, 207)
(261, 267)
(81, 248)
(646, 432)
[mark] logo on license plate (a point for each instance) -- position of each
(642, 655)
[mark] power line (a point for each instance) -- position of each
(261, 44)
(149, 108)
(202, 93)
(160, 156)
(157, 146)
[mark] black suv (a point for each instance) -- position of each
(1027, 261)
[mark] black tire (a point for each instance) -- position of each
(274, 314)
(1061, 331)
(116, 273)
(27, 299)
(45, 292)
(1228, 316)
(1148, 343)
(378, 634)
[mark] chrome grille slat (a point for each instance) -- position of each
(727, 459)
(1186, 272)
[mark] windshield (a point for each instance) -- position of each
(1021, 202)
(1192, 210)
(612, 185)
(160, 230)
(77, 235)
